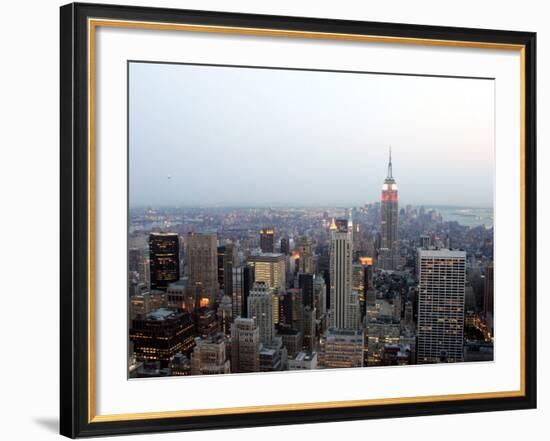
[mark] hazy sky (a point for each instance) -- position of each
(204, 135)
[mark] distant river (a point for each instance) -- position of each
(470, 217)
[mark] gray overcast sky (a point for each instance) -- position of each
(205, 135)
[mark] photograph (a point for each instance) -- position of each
(285, 219)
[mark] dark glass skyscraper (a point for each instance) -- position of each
(164, 257)
(305, 283)
(267, 240)
(161, 334)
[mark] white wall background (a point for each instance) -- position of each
(29, 42)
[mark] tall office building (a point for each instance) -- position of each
(489, 290)
(305, 283)
(245, 345)
(260, 308)
(220, 258)
(164, 259)
(226, 260)
(285, 308)
(389, 255)
(269, 268)
(297, 309)
(441, 296)
(320, 296)
(353, 312)
(242, 281)
(202, 265)
(489, 296)
(225, 315)
(209, 356)
(309, 328)
(138, 262)
(285, 246)
(306, 263)
(340, 273)
(363, 282)
(267, 240)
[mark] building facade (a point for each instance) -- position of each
(161, 334)
(242, 281)
(269, 268)
(245, 345)
(343, 348)
(441, 296)
(209, 356)
(260, 308)
(164, 259)
(267, 240)
(202, 268)
(340, 273)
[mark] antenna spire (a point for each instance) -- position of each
(390, 174)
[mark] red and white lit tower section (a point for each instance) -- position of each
(389, 258)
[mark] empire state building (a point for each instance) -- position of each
(389, 257)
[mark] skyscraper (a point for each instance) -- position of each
(202, 265)
(242, 280)
(226, 259)
(320, 295)
(389, 258)
(164, 259)
(245, 346)
(489, 295)
(305, 283)
(285, 246)
(441, 295)
(267, 240)
(340, 272)
(260, 308)
(139, 263)
(269, 268)
(225, 315)
(306, 256)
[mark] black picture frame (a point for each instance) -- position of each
(74, 324)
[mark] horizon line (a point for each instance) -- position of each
(425, 205)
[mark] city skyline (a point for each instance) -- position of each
(340, 151)
(216, 291)
(378, 286)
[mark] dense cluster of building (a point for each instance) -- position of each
(216, 291)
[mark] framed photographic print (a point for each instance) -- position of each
(275, 220)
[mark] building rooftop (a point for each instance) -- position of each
(213, 339)
(443, 252)
(267, 351)
(266, 255)
(344, 332)
(305, 356)
(285, 330)
(161, 314)
(180, 284)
